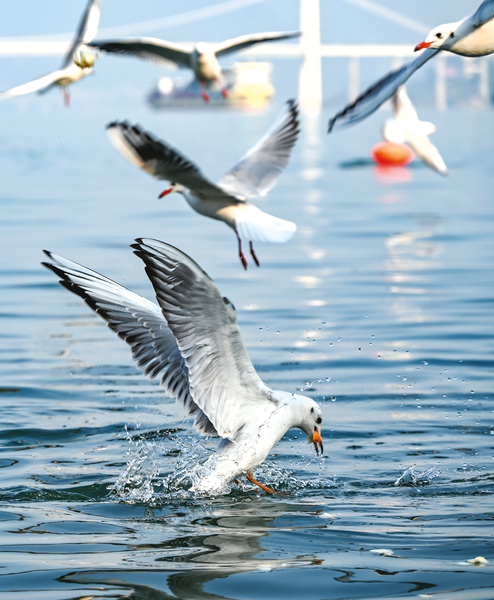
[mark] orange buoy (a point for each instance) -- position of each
(387, 153)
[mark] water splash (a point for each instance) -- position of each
(411, 477)
(137, 482)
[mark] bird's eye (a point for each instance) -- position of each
(318, 420)
(439, 35)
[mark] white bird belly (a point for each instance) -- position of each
(478, 43)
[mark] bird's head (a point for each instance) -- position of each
(85, 57)
(174, 187)
(201, 47)
(437, 36)
(311, 420)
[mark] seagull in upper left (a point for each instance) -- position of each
(472, 36)
(78, 61)
(202, 58)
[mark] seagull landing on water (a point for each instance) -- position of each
(255, 174)
(407, 127)
(202, 58)
(193, 342)
(473, 36)
(78, 61)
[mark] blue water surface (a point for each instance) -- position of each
(381, 308)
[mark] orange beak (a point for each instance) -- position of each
(166, 192)
(421, 46)
(316, 439)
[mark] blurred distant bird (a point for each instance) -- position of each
(78, 61)
(255, 174)
(473, 36)
(407, 127)
(202, 58)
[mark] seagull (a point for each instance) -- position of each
(407, 127)
(473, 36)
(255, 174)
(78, 61)
(202, 58)
(192, 340)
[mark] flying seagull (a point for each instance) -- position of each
(192, 341)
(228, 200)
(202, 58)
(78, 61)
(405, 126)
(473, 36)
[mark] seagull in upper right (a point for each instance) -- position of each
(77, 63)
(202, 58)
(472, 36)
(406, 126)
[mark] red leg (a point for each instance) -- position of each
(66, 97)
(256, 260)
(240, 253)
(264, 487)
(204, 92)
(224, 93)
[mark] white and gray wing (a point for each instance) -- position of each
(416, 132)
(37, 85)
(87, 30)
(427, 152)
(244, 41)
(166, 53)
(403, 107)
(379, 92)
(483, 14)
(222, 379)
(162, 161)
(138, 322)
(258, 171)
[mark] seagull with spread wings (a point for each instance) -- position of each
(406, 126)
(201, 57)
(192, 341)
(78, 61)
(472, 36)
(227, 200)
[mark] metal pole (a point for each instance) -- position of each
(310, 79)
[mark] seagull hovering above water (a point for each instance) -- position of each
(193, 342)
(473, 36)
(255, 174)
(78, 61)
(405, 126)
(202, 58)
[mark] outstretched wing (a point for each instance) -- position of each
(37, 85)
(138, 322)
(258, 171)
(427, 152)
(483, 14)
(163, 161)
(88, 27)
(379, 92)
(153, 49)
(416, 132)
(244, 41)
(403, 107)
(222, 379)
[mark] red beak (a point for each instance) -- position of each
(166, 192)
(421, 46)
